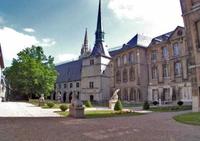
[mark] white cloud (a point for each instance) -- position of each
(159, 14)
(67, 57)
(30, 30)
(47, 42)
(12, 42)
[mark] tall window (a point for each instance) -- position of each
(165, 52)
(125, 75)
(177, 68)
(154, 72)
(91, 85)
(118, 76)
(153, 55)
(118, 61)
(132, 74)
(71, 85)
(176, 50)
(125, 59)
(131, 58)
(125, 95)
(65, 85)
(165, 70)
(77, 84)
(91, 62)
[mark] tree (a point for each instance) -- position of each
(32, 73)
(118, 106)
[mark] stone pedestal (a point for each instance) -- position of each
(112, 104)
(41, 100)
(76, 112)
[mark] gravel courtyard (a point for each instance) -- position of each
(150, 127)
(22, 109)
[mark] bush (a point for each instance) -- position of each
(155, 103)
(118, 106)
(63, 107)
(180, 103)
(88, 104)
(50, 104)
(146, 105)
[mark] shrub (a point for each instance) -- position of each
(180, 103)
(118, 106)
(146, 105)
(50, 104)
(155, 103)
(88, 104)
(63, 107)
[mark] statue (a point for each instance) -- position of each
(76, 108)
(59, 96)
(114, 99)
(41, 100)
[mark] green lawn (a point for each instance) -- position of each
(102, 114)
(171, 108)
(36, 103)
(189, 118)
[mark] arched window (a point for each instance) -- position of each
(132, 74)
(125, 75)
(118, 76)
(125, 95)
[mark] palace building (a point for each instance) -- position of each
(143, 69)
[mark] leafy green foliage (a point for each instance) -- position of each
(118, 106)
(32, 73)
(146, 105)
(50, 104)
(63, 107)
(88, 104)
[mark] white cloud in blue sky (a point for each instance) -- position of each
(29, 30)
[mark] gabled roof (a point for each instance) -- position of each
(137, 41)
(165, 37)
(70, 71)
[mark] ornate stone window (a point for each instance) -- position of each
(176, 49)
(77, 84)
(165, 53)
(71, 85)
(154, 72)
(125, 59)
(154, 55)
(118, 61)
(177, 69)
(165, 70)
(125, 75)
(65, 85)
(118, 76)
(132, 74)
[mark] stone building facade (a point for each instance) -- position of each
(143, 69)
(2, 79)
(191, 16)
(167, 57)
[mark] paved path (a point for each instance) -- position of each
(22, 109)
(150, 127)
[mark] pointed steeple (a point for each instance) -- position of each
(99, 31)
(100, 49)
(84, 48)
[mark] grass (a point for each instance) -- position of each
(189, 118)
(171, 108)
(102, 114)
(36, 103)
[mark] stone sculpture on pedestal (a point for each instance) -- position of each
(114, 99)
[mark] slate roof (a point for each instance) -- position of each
(100, 49)
(70, 71)
(163, 37)
(137, 41)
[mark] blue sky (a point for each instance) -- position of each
(59, 25)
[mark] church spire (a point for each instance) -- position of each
(85, 47)
(99, 31)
